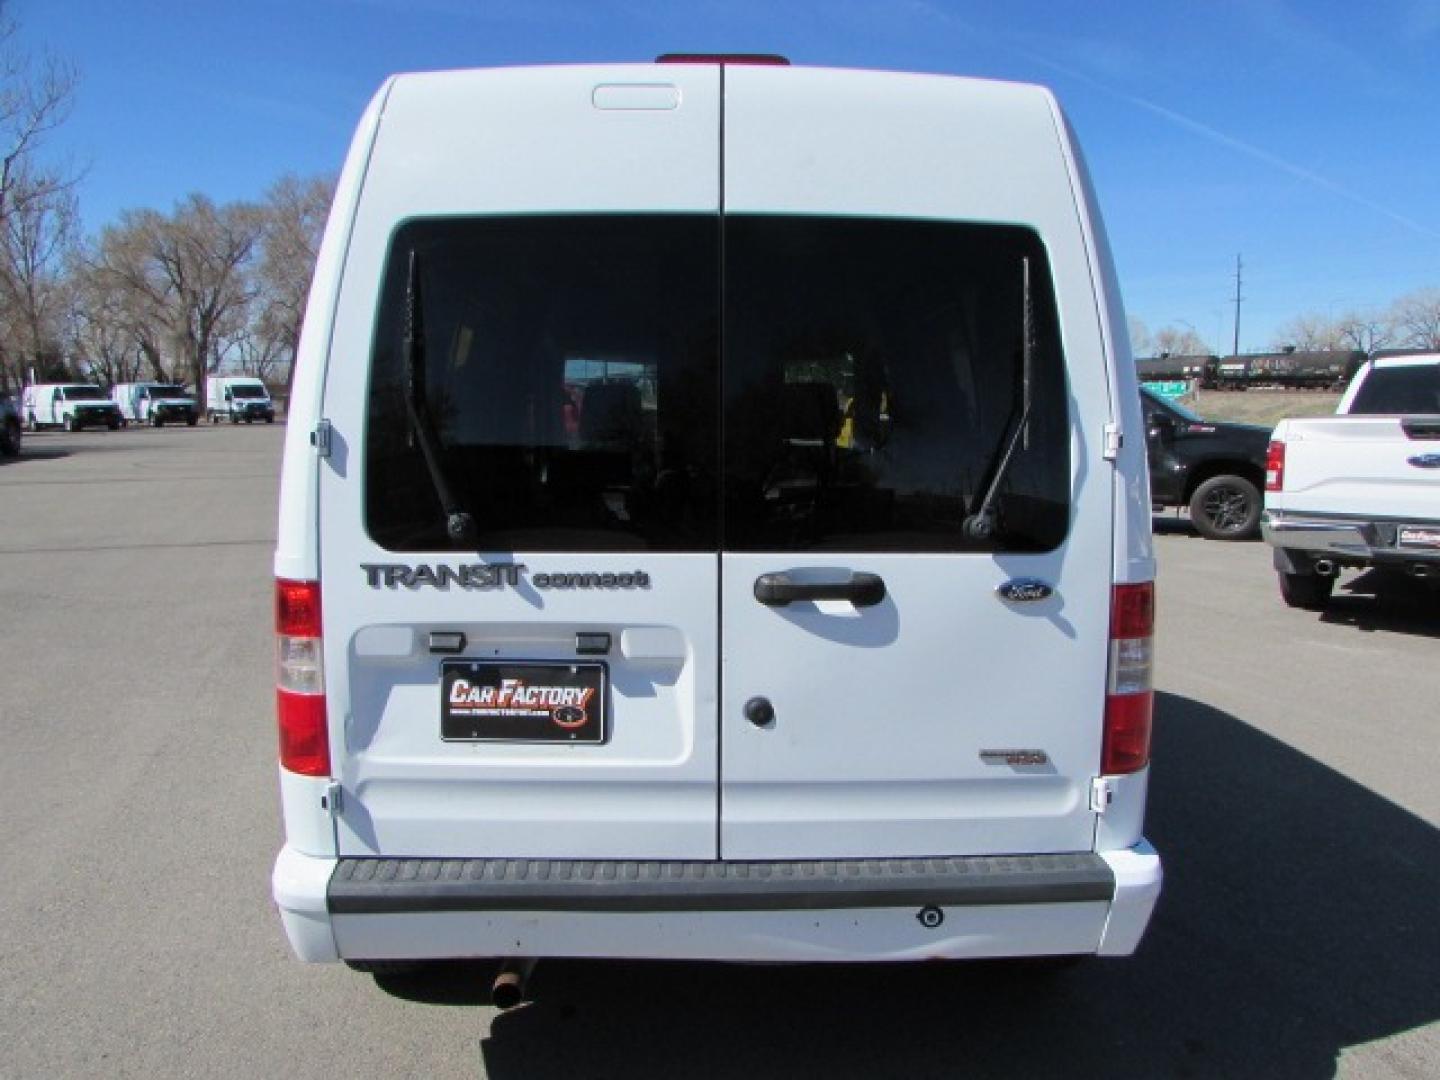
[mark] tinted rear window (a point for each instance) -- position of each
(873, 377)
(1390, 390)
(572, 374)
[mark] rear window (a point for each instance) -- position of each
(569, 375)
(575, 371)
(1390, 390)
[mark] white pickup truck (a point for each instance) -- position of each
(1361, 488)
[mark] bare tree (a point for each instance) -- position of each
(1417, 319)
(1366, 330)
(1309, 333)
(294, 213)
(190, 274)
(1140, 341)
(36, 236)
(36, 205)
(34, 99)
(1179, 342)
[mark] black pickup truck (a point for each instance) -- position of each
(1216, 469)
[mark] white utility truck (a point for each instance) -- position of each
(155, 403)
(73, 406)
(1361, 488)
(714, 524)
(239, 398)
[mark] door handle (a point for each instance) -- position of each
(777, 589)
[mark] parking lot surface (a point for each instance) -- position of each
(1293, 796)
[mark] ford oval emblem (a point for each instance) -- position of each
(1025, 590)
(1425, 461)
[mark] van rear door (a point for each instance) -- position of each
(876, 293)
(542, 682)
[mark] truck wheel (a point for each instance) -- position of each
(155, 421)
(234, 419)
(70, 424)
(34, 427)
(1309, 592)
(1225, 508)
(113, 425)
(192, 421)
(10, 439)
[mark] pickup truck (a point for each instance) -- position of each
(1212, 467)
(1361, 488)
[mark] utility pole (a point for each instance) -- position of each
(1237, 307)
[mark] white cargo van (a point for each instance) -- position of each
(73, 406)
(714, 524)
(239, 398)
(155, 404)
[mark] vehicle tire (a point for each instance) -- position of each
(269, 419)
(155, 421)
(10, 439)
(192, 421)
(70, 424)
(1225, 508)
(1309, 592)
(30, 422)
(113, 425)
(234, 419)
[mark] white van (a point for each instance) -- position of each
(155, 403)
(239, 398)
(73, 406)
(713, 525)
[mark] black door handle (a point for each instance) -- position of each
(776, 589)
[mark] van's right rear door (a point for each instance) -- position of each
(882, 233)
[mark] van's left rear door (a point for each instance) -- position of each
(545, 688)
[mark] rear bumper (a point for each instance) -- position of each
(837, 910)
(1355, 539)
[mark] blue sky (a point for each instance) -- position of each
(1302, 135)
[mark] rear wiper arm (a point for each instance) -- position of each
(981, 524)
(459, 525)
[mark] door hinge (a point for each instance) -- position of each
(1114, 440)
(1102, 794)
(331, 800)
(320, 438)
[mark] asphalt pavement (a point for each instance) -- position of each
(1293, 796)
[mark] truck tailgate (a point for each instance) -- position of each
(1372, 466)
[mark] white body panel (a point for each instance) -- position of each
(1356, 466)
(650, 790)
(881, 712)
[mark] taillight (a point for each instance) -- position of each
(300, 679)
(1275, 466)
(1129, 693)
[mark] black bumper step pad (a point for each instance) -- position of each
(397, 886)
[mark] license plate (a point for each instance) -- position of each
(495, 701)
(1412, 536)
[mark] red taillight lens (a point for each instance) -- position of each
(304, 733)
(1129, 698)
(300, 679)
(297, 608)
(1275, 467)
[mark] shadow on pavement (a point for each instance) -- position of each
(1299, 918)
(1380, 601)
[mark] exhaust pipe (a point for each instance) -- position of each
(1325, 568)
(508, 989)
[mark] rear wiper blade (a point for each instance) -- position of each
(459, 525)
(980, 525)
